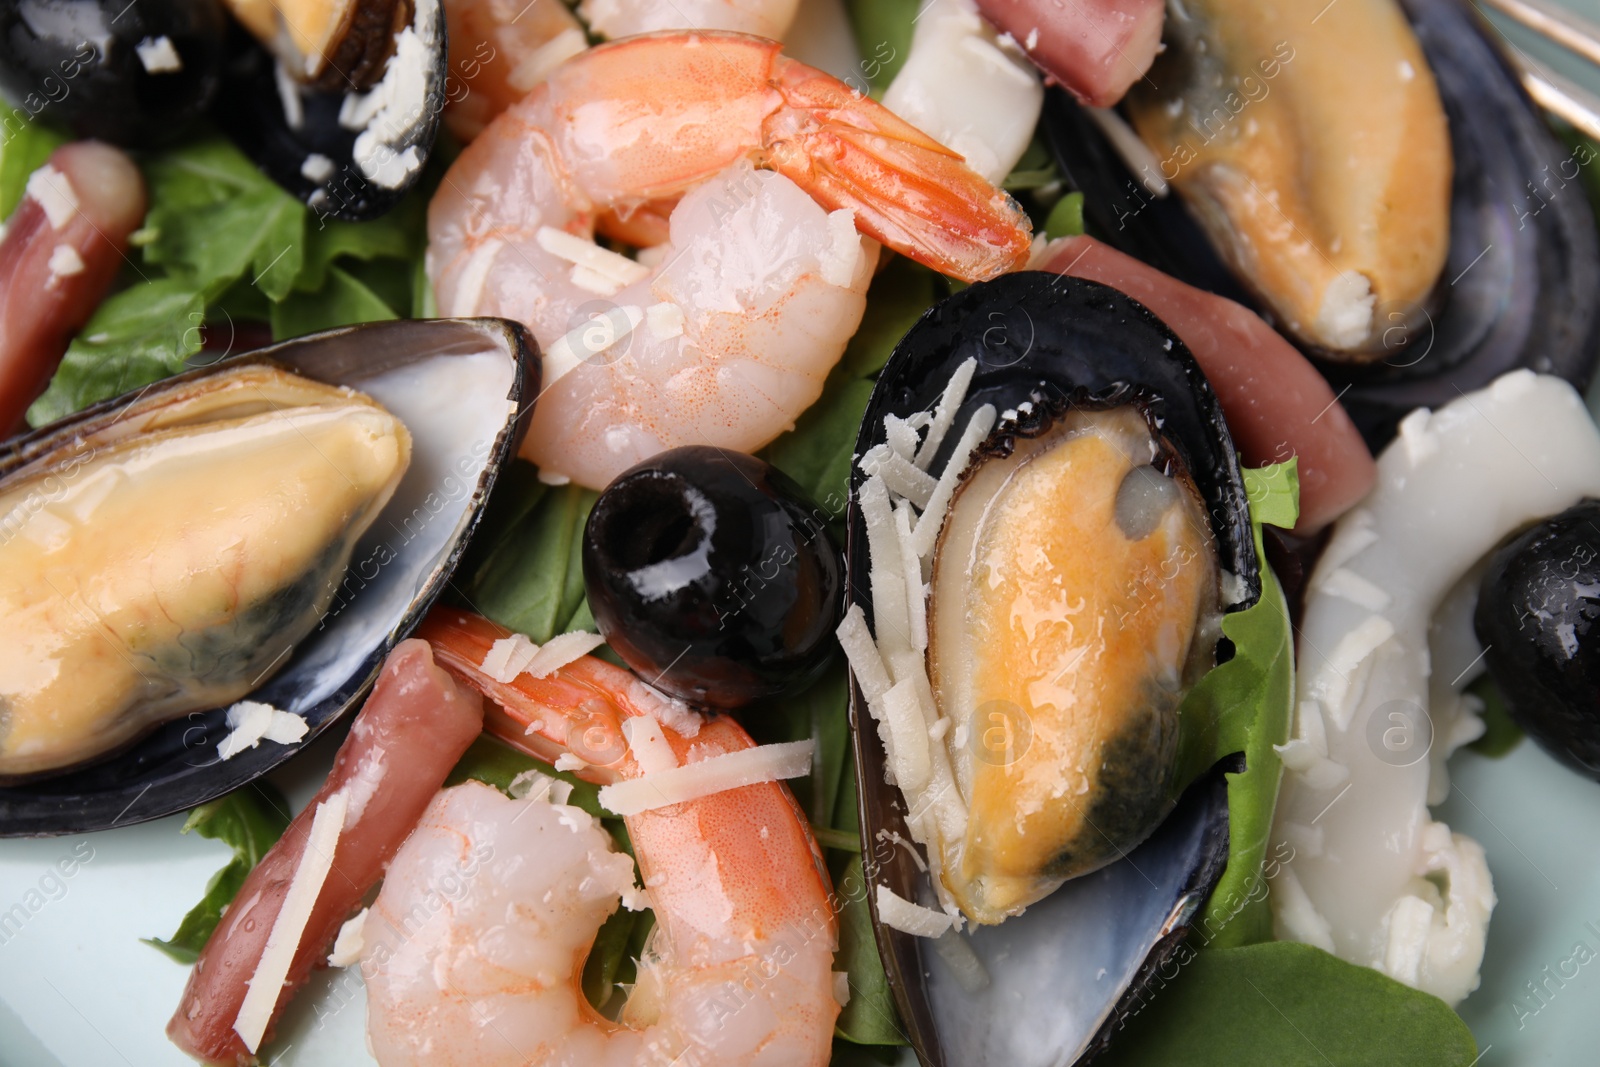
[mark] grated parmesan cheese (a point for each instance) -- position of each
(927, 531)
(944, 413)
(157, 55)
(252, 722)
(900, 914)
(65, 261)
(606, 271)
(562, 650)
(266, 984)
(53, 191)
(351, 940)
(648, 744)
(730, 770)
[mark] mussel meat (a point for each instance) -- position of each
(1538, 604)
(348, 140)
(136, 75)
(167, 560)
(1520, 286)
(139, 531)
(1087, 532)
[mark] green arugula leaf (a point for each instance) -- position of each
(25, 145)
(342, 301)
(136, 337)
(249, 821)
(1288, 1005)
(532, 578)
(1244, 705)
(1066, 218)
(816, 453)
(399, 235)
(883, 35)
(1501, 734)
(869, 1018)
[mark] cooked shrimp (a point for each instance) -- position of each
(500, 49)
(738, 971)
(730, 339)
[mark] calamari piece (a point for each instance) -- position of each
(1095, 49)
(62, 249)
(1311, 144)
(1277, 404)
(411, 731)
(169, 558)
(967, 87)
(1375, 879)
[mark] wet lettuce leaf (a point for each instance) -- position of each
(816, 453)
(25, 144)
(221, 241)
(1244, 705)
(1501, 734)
(883, 36)
(249, 821)
(1288, 1005)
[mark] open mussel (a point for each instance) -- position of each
(338, 101)
(1083, 528)
(1520, 284)
(265, 528)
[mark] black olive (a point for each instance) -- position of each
(135, 74)
(1538, 608)
(713, 576)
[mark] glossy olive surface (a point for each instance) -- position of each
(713, 576)
(133, 74)
(1538, 618)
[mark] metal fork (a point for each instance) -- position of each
(1554, 92)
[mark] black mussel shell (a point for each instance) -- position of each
(251, 110)
(713, 575)
(1538, 619)
(1062, 974)
(136, 75)
(398, 569)
(1521, 286)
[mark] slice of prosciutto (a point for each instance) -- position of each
(1276, 403)
(1095, 49)
(409, 734)
(62, 249)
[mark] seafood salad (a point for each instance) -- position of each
(761, 532)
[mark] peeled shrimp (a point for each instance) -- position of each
(500, 49)
(739, 969)
(763, 280)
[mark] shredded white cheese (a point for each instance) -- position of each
(65, 261)
(351, 940)
(536, 66)
(266, 984)
(316, 168)
(927, 531)
(648, 744)
(666, 320)
(562, 650)
(842, 258)
(252, 722)
(537, 785)
(730, 770)
(944, 413)
(606, 271)
(53, 191)
(856, 640)
(900, 914)
(585, 342)
(157, 55)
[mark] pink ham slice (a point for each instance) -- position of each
(62, 249)
(1096, 49)
(1276, 403)
(409, 734)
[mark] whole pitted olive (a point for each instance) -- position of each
(134, 74)
(713, 576)
(1538, 617)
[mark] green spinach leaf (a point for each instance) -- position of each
(25, 145)
(1288, 1005)
(249, 821)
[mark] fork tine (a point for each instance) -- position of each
(1572, 32)
(1555, 93)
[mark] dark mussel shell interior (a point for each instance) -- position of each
(1521, 287)
(397, 570)
(250, 110)
(77, 62)
(1047, 337)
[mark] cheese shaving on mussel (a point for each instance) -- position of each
(168, 558)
